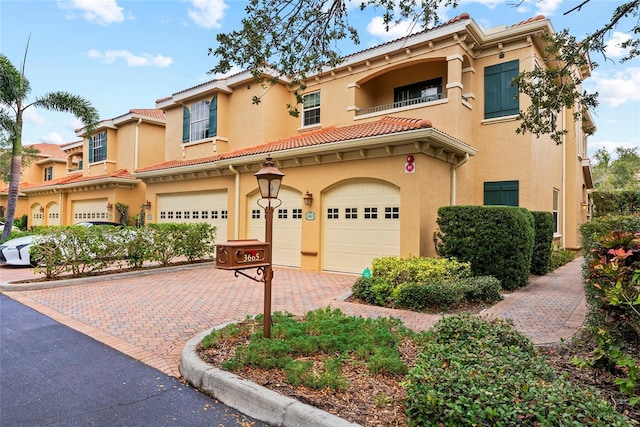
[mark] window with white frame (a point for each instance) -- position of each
(98, 147)
(48, 173)
(556, 204)
(311, 109)
(199, 126)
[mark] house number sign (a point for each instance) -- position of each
(240, 254)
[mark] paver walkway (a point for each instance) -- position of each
(150, 317)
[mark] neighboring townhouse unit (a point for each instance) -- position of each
(382, 141)
(87, 178)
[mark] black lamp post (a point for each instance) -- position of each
(269, 180)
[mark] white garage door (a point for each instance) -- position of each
(361, 221)
(53, 214)
(209, 207)
(87, 210)
(287, 226)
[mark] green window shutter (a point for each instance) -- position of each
(492, 98)
(213, 117)
(90, 149)
(504, 193)
(103, 153)
(186, 124)
(510, 105)
(500, 98)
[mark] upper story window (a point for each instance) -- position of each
(98, 147)
(200, 121)
(428, 90)
(556, 210)
(500, 97)
(48, 173)
(311, 109)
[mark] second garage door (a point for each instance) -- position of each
(361, 221)
(209, 207)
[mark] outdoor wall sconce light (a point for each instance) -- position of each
(147, 205)
(109, 206)
(308, 198)
(584, 206)
(41, 209)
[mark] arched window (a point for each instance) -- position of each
(200, 121)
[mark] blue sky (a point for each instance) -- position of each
(125, 54)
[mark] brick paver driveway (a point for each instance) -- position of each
(151, 316)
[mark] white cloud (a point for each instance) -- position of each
(52, 138)
(376, 27)
(30, 115)
(207, 13)
(615, 89)
(103, 12)
(547, 7)
(613, 48)
(143, 60)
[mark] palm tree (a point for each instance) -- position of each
(14, 89)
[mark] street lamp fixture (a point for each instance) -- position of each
(269, 180)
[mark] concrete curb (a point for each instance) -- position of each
(249, 398)
(33, 286)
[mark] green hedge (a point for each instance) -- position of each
(480, 372)
(541, 257)
(497, 240)
(80, 251)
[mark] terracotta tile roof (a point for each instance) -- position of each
(49, 150)
(78, 178)
(149, 112)
(534, 19)
(385, 126)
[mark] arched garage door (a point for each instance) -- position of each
(287, 226)
(53, 214)
(205, 206)
(361, 221)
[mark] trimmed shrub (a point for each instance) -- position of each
(540, 259)
(479, 372)
(496, 240)
(560, 257)
(443, 295)
(396, 270)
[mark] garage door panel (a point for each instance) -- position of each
(287, 226)
(209, 207)
(87, 210)
(360, 223)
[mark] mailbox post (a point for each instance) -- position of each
(239, 255)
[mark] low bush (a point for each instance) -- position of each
(396, 270)
(480, 372)
(559, 257)
(430, 283)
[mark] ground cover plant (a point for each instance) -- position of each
(465, 371)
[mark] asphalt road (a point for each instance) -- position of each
(51, 375)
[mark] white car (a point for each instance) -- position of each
(16, 251)
(13, 228)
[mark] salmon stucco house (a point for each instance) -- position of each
(383, 140)
(83, 180)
